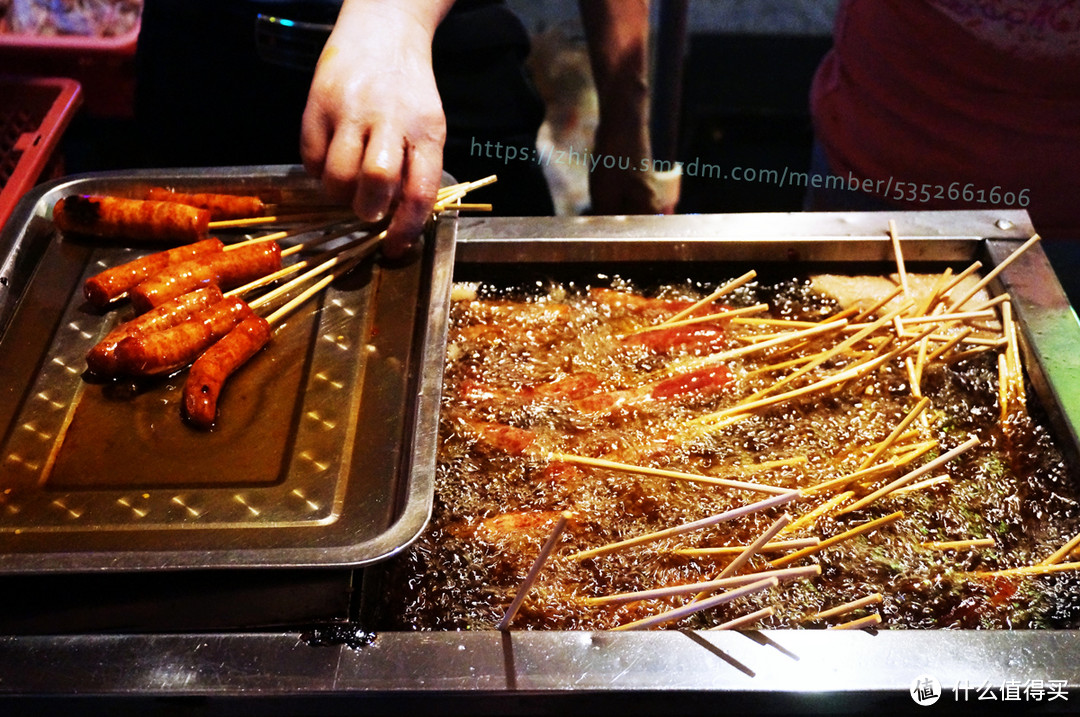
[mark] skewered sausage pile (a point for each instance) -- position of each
(182, 315)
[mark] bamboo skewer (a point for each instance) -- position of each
(719, 316)
(691, 608)
(863, 622)
(873, 309)
(974, 267)
(780, 366)
(1027, 570)
(964, 355)
(784, 339)
(897, 444)
(936, 294)
(534, 571)
(913, 452)
(945, 347)
(339, 268)
(829, 542)
(1003, 388)
(1062, 552)
(899, 258)
(465, 187)
(908, 477)
(847, 374)
(786, 323)
(448, 195)
(990, 303)
(1013, 353)
(920, 362)
(358, 250)
(824, 356)
(900, 428)
(341, 215)
(361, 245)
(817, 513)
(858, 476)
(775, 546)
(663, 473)
(670, 591)
(466, 207)
(848, 607)
(990, 342)
(778, 463)
(750, 551)
(996, 270)
(712, 520)
(745, 620)
(928, 483)
(959, 544)
(723, 290)
(945, 318)
(288, 234)
(913, 377)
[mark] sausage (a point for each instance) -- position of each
(102, 289)
(116, 218)
(164, 352)
(208, 373)
(227, 269)
(247, 263)
(221, 206)
(102, 359)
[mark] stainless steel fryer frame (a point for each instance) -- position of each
(671, 671)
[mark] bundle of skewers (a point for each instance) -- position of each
(592, 467)
(206, 304)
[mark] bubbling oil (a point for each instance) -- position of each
(515, 389)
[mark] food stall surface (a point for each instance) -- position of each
(346, 665)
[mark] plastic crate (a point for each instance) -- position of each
(104, 66)
(34, 112)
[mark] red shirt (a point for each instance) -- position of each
(961, 103)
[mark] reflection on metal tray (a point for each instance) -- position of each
(324, 451)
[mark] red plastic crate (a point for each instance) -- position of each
(104, 66)
(33, 116)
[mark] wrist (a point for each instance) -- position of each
(394, 17)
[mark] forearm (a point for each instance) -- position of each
(618, 36)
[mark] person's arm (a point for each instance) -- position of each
(373, 129)
(617, 32)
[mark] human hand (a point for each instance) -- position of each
(373, 129)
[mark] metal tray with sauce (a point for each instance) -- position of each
(324, 450)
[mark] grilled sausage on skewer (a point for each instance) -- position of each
(102, 360)
(104, 288)
(221, 206)
(227, 269)
(208, 373)
(113, 217)
(166, 351)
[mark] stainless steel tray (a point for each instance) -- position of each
(324, 452)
